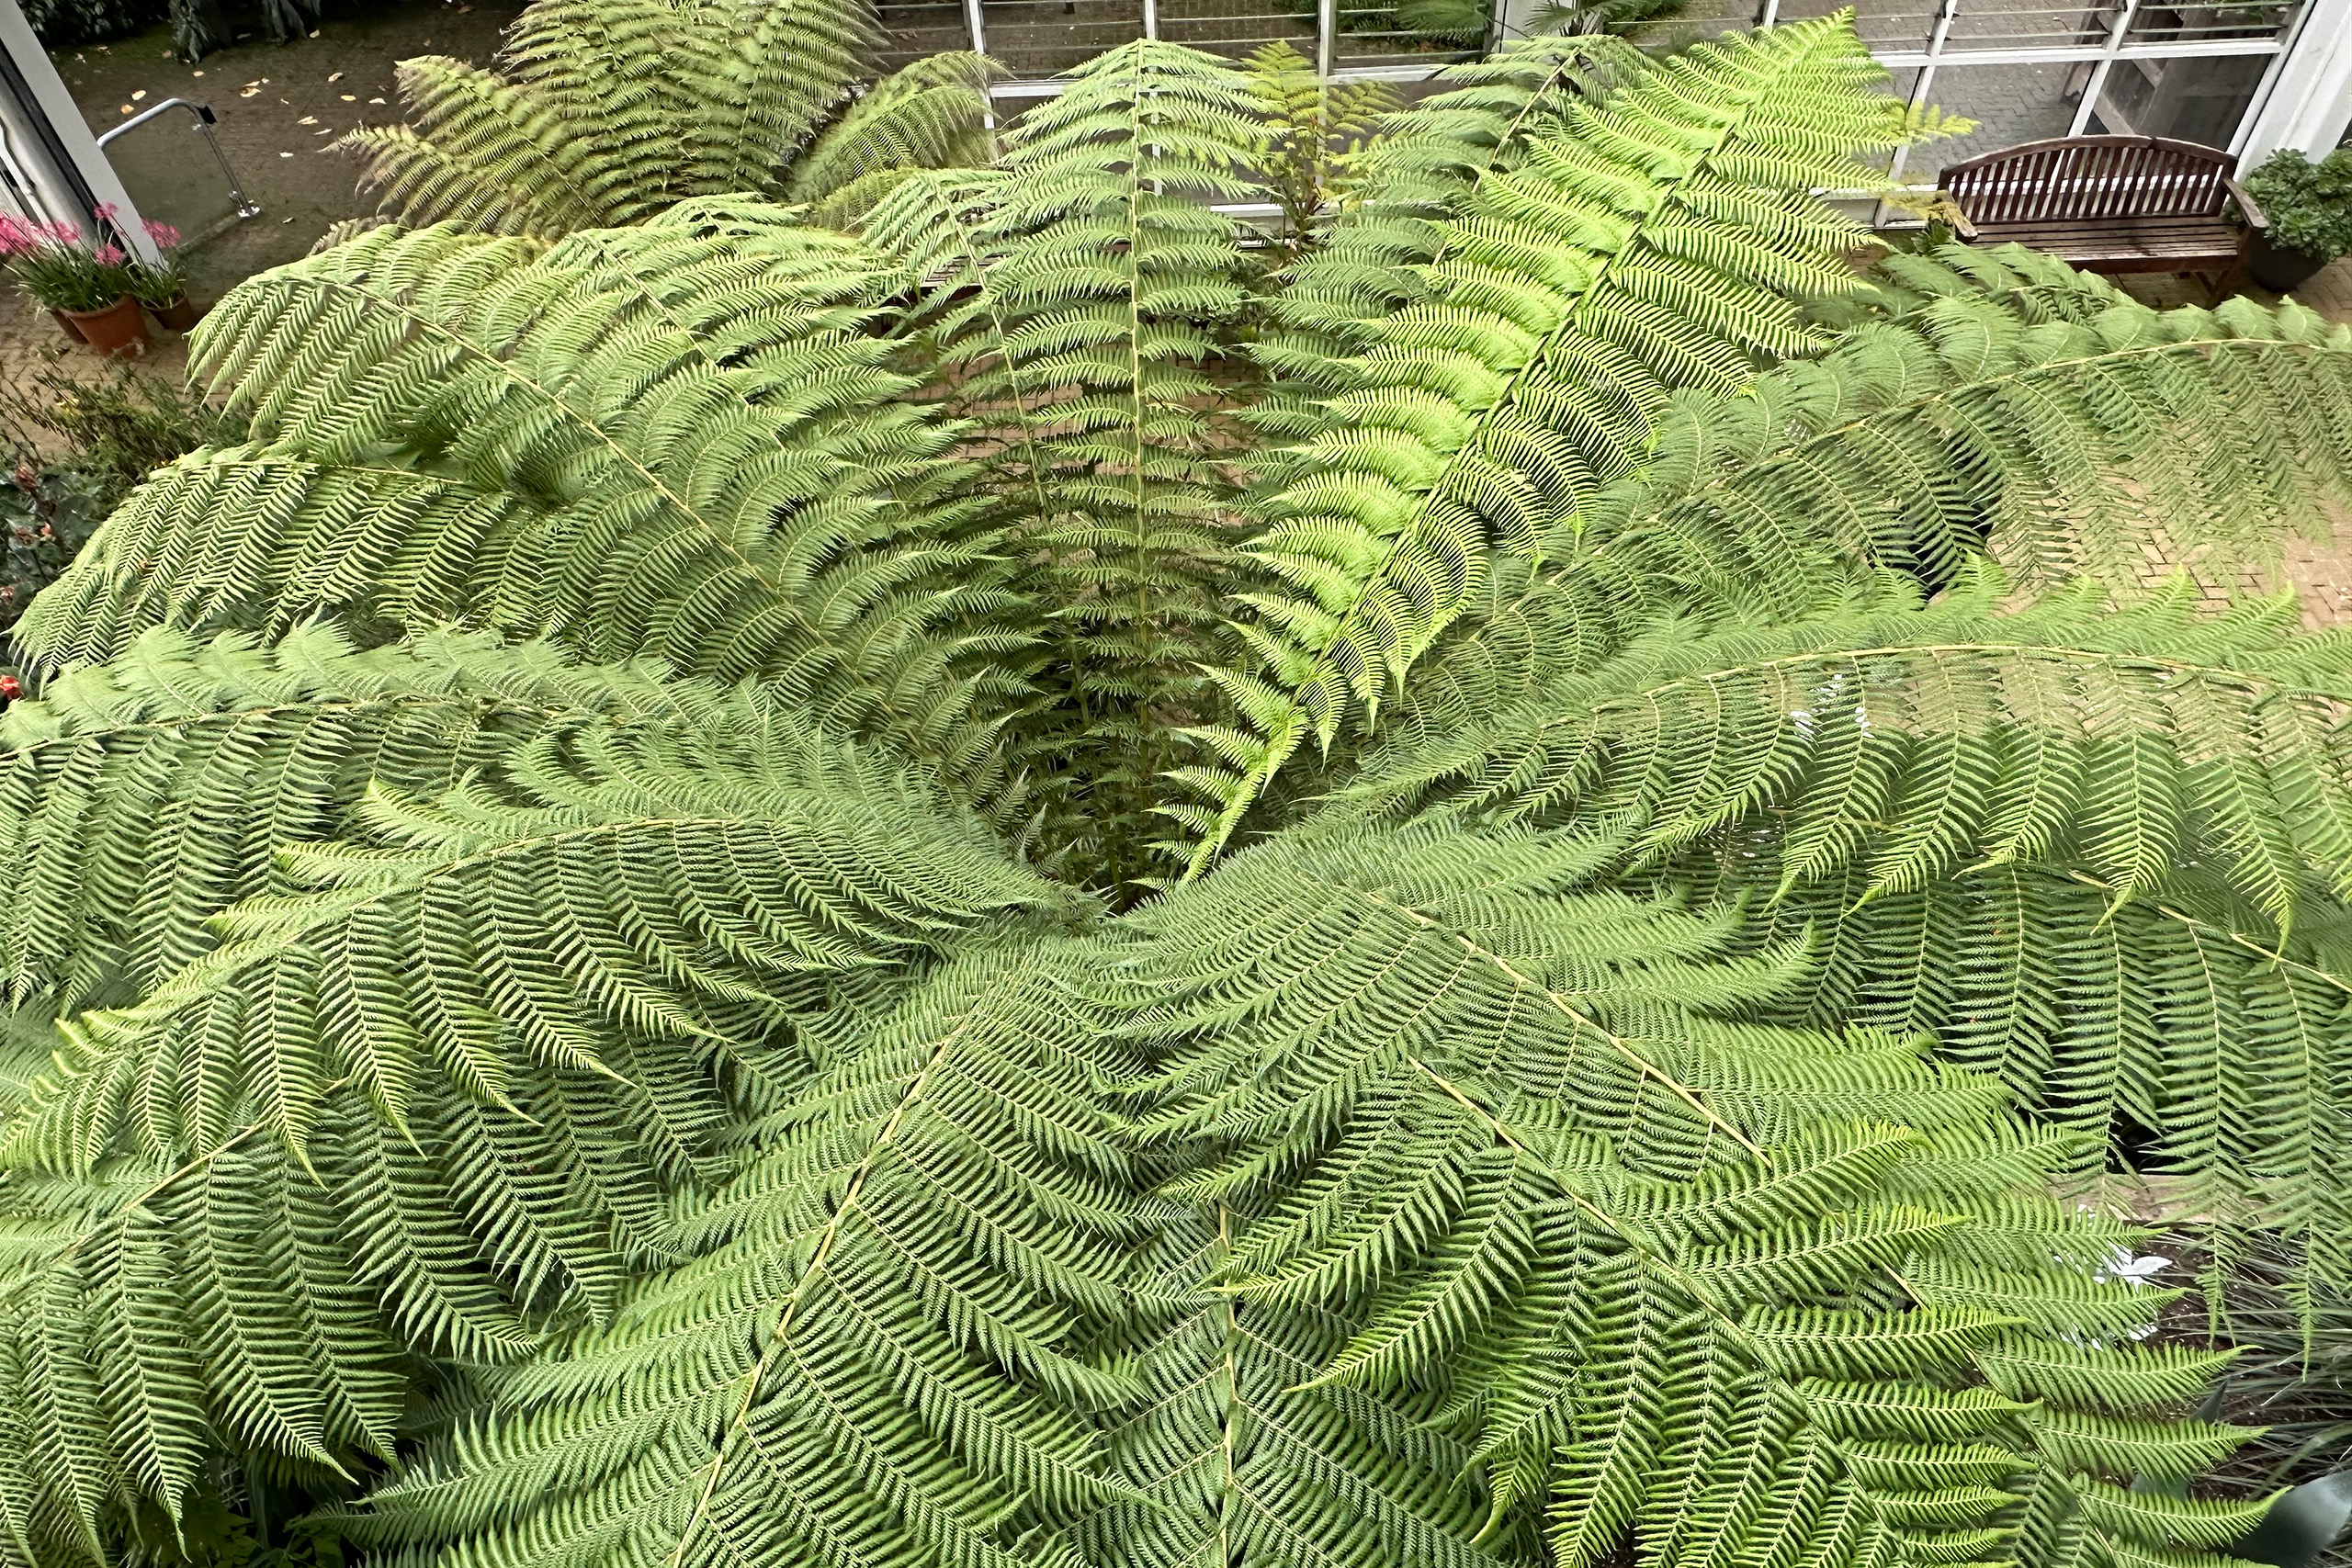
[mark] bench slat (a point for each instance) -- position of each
(2108, 203)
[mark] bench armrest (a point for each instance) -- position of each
(1960, 223)
(2255, 220)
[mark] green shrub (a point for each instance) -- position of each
(2309, 205)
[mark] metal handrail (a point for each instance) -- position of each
(246, 206)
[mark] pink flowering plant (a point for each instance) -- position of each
(161, 281)
(56, 265)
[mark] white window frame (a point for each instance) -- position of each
(2102, 57)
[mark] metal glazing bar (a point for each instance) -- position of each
(2069, 54)
(2098, 84)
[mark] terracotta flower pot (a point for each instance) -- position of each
(66, 325)
(118, 331)
(179, 315)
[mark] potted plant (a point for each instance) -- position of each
(160, 285)
(2309, 206)
(87, 290)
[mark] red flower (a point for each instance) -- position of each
(10, 689)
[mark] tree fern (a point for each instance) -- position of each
(1320, 138)
(589, 984)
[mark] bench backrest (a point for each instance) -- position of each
(2079, 177)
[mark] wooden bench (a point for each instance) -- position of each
(2110, 204)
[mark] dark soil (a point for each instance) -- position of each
(339, 78)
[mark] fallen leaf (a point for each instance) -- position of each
(308, 119)
(196, 73)
(314, 35)
(126, 109)
(286, 154)
(375, 100)
(349, 99)
(248, 92)
(334, 75)
(324, 130)
(138, 94)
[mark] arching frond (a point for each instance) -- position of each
(933, 113)
(1642, 1274)
(1065, 298)
(147, 795)
(682, 889)
(881, 1352)
(671, 440)
(1921, 743)
(603, 113)
(1652, 244)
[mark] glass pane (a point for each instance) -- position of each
(1690, 22)
(917, 28)
(2028, 24)
(2199, 20)
(1392, 33)
(1039, 38)
(2009, 104)
(2193, 100)
(1238, 27)
(1883, 24)
(169, 170)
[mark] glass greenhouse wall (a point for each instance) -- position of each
(2197, 70)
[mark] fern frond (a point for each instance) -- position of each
(1065, 299)
(1651, 245)
(604, 114)
(2135, 744)
(933, 113)
(680, 891)
(672, 440)
(146, 794)
(1628, 1250)
(879, 1352)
